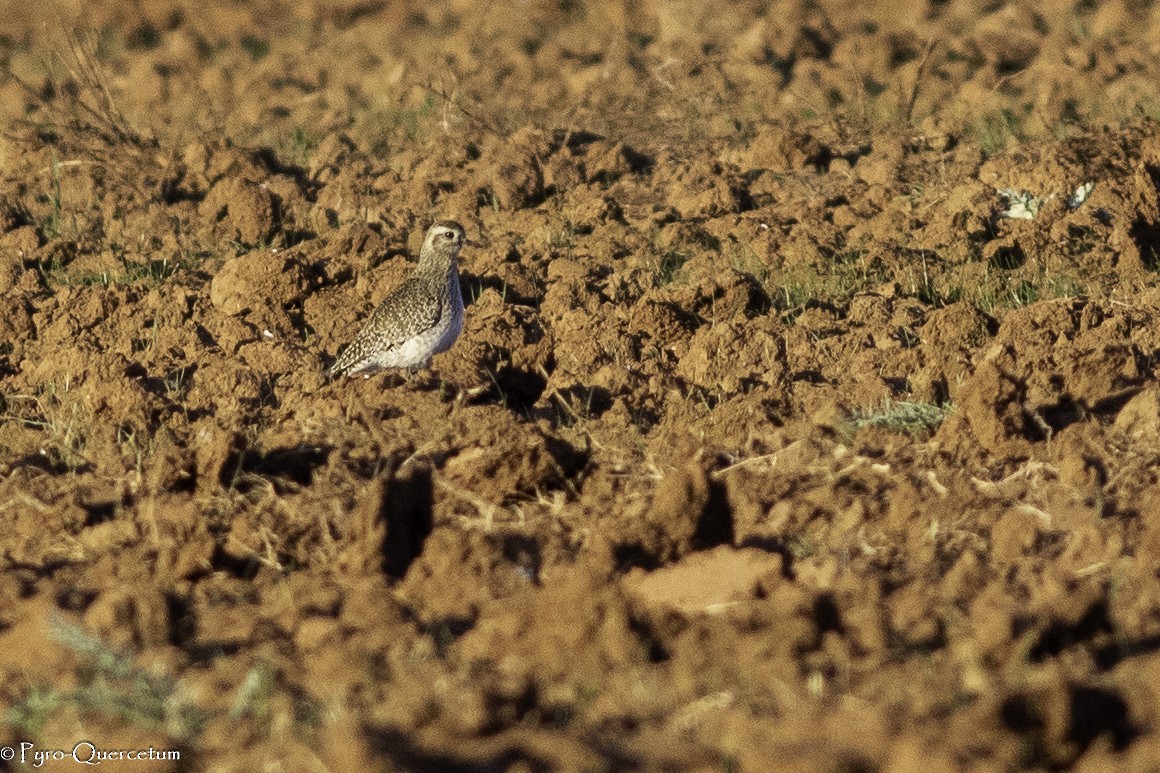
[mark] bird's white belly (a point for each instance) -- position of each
(418, 350)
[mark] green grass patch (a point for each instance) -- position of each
(385, 126)
(666, 265)
(996, 131)
(109, 683)
(57, 273)
(911, 418)
(845, 273)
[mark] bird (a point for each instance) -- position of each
(421, 318)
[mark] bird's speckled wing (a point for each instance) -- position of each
(409, 311)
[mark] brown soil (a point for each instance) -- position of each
(768, 442)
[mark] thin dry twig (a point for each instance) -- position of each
(456, 101)
(771, 457)
(918, 75)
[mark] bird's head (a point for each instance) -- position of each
(446, 236)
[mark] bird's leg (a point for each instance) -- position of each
(411, 377)
(393, 379)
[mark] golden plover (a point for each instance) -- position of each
(420, 319)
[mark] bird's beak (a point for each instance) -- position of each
(473, 243)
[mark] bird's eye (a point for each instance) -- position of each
(449, 235)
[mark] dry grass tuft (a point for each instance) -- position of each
(79, 118)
